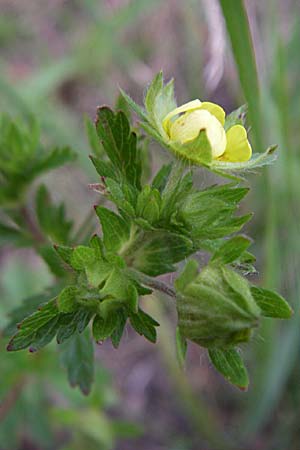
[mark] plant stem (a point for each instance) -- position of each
(153, 283)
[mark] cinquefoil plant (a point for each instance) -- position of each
(152, 228)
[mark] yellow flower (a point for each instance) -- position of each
(184, 123)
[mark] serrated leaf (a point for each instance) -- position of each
(51, 160)
(77, 356)
(230, 364)
(92, 136)
(104, 168)
(160, 180)
(118, 332)
(116, 231)
(66, 300)
(144, 325)
(271, 303)
(117, 195)
(104, 327)
(26, 308)
(64, 252)
(38, 329)
(82, 256)
(52, 259)
(120, 144)
(12, 236)
(231, 250)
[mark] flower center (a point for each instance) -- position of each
(188, 126)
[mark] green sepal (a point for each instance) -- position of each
(231, 250)
(215, 307)
(197, 151)
(271, 303)
(230, 364)
(236, 117)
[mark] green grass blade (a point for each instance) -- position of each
(238, 29)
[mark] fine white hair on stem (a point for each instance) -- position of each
(214, 68)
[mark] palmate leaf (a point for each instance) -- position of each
(120, 144)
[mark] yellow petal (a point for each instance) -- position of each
(215, 110)
(187, 127)
(238, 148)
(190, 106)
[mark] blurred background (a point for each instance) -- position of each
(59, 60)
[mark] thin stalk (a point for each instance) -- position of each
(158, 285)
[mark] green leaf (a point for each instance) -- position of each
(116, 231)
(271, 303)
(64, 252)
(231, 250)
(120, 144)
(26, 308)
(104, 168)
(51, 218)
(104, 327)
(159, 250)
(92, 136)
(66, 300)
(52, 259)
(120, 325)
(160, 180)
(230, 364)
(12, 236)
(82, 256)
(77, 356)
(144, 325)
(116, 194)
(51, 160)
(36, 330)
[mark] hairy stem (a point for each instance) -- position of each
(158, 285)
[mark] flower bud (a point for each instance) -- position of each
(215, 308)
